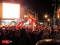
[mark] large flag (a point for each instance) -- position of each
(20, 24)
(32, 21)
(30, 18)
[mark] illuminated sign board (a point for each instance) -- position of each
(11, 10)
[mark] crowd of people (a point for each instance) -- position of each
(25, 35)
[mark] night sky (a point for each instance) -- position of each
(41, 7)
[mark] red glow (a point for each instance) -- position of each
(30, 19)
(58, 13)
(5, 41)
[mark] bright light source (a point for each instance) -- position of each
(25, 16)
(46, 16)
(58, 16)
(49, 20)
(41, 23)
(11, 10)
(47, 40)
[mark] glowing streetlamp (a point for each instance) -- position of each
(46, 16)
(48, 20)
(25, 16)
(57, 16)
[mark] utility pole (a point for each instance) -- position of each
(56, 5)
(54, 16)
(55, 12)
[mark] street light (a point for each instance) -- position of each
(58, 16)
(25, 16)
(46, 16)
(48, 20)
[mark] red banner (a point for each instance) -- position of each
(30, 18)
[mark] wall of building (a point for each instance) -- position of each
(0, 10)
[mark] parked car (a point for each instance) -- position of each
(48, 42)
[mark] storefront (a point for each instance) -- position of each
(9, 22)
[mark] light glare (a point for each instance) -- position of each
(11, 10)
